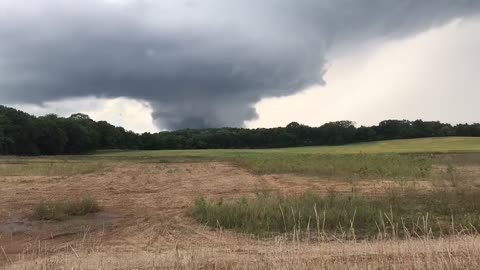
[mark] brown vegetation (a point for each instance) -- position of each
(145, 223)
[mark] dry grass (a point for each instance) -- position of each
(36, 167)
(446, 253)
(145, 221)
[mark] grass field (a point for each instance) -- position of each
(40, 166)
(392, 215)
(391, 159)
(426, 145)
(407, 204)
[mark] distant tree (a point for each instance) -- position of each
(6, 143)
(340, 132)
(365, 134)
(19, 128)
(50, 135)
(79, 116)
(394, 129)
(80, 138)
(293, 125)
(23, 134)
(110, 137)
(467, 130)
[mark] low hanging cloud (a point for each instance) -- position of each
(198, 63)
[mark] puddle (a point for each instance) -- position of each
(16, 227)
(21, 225)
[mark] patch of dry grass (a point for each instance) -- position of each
(446, 253)
(39, 167)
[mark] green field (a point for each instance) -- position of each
(385, 159)
(424, 145)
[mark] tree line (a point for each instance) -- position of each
(24, 134)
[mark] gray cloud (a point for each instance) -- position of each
(201, 63)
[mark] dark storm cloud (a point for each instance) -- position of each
(201, 63)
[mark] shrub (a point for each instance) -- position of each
(61, 210)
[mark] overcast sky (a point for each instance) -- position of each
(154, 65)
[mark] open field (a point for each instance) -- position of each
(426, 145)
(386, 159)
(147, 202)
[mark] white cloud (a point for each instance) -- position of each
(128, 113)
(432, 76)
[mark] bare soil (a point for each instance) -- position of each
(146, 208)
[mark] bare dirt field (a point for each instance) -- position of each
(145, 224)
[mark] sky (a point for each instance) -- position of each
(165, 65)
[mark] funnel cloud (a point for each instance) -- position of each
(198, 63)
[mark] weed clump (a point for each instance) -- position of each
(395, 214)
(61, 210)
